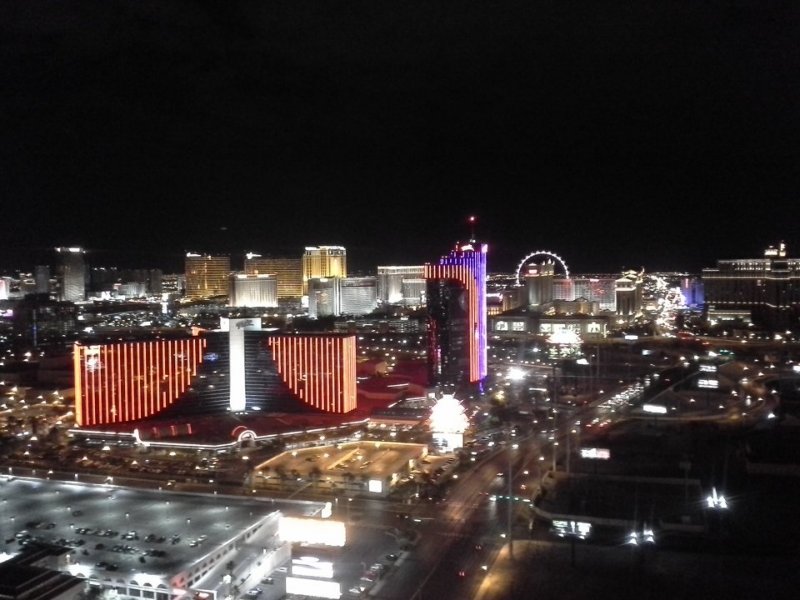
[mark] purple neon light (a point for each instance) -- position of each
(475, 263)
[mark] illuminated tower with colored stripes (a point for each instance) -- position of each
(456, 299)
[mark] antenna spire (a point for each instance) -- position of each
(471, 220)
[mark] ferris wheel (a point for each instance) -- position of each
(537, 253)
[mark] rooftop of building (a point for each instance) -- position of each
(113, 533)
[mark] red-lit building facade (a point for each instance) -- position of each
(456, 300)
(128, 381)
(207, 375)
(320, 369)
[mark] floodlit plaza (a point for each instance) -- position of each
(359, 466)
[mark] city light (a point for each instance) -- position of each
(645, 536)
(515, 374)
(715, 500)
(578, 529)
(448, 415)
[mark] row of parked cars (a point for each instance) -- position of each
(375, 572)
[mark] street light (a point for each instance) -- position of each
(715, 500)
(645, 536)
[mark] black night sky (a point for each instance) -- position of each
(662, 134)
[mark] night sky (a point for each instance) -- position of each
(656, 134)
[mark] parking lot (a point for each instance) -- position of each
(121, 534)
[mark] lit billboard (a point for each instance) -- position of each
(312, 531)
(315, 588)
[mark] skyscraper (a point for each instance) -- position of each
(324, 297)
(628, 290)
(323, 261)
(288, 272)
(456, 299)
(253, 290)
(539, 284)
(393, 281)
(173, 283)
(764, 291)
(71, 274)
(206, 275)
(359, 295)
(40, 321)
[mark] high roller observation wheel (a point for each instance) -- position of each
(525, 260)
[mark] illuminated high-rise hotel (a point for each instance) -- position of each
(335, 296)
(288, 272)
(628, 293)
(207, 276)
(764, 291)
(71, 275)
(401, 284)
(359, 295)
(253, 290)
(239, 368)
(456, 299)
(324, 297)
(323, 261)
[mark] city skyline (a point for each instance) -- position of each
(374, 403)
(363, 260)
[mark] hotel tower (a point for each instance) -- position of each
(456, 296)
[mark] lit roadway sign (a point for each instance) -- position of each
(596, 453)
(577, 529)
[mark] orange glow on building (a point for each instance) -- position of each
(128, 381)
(321, 370)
